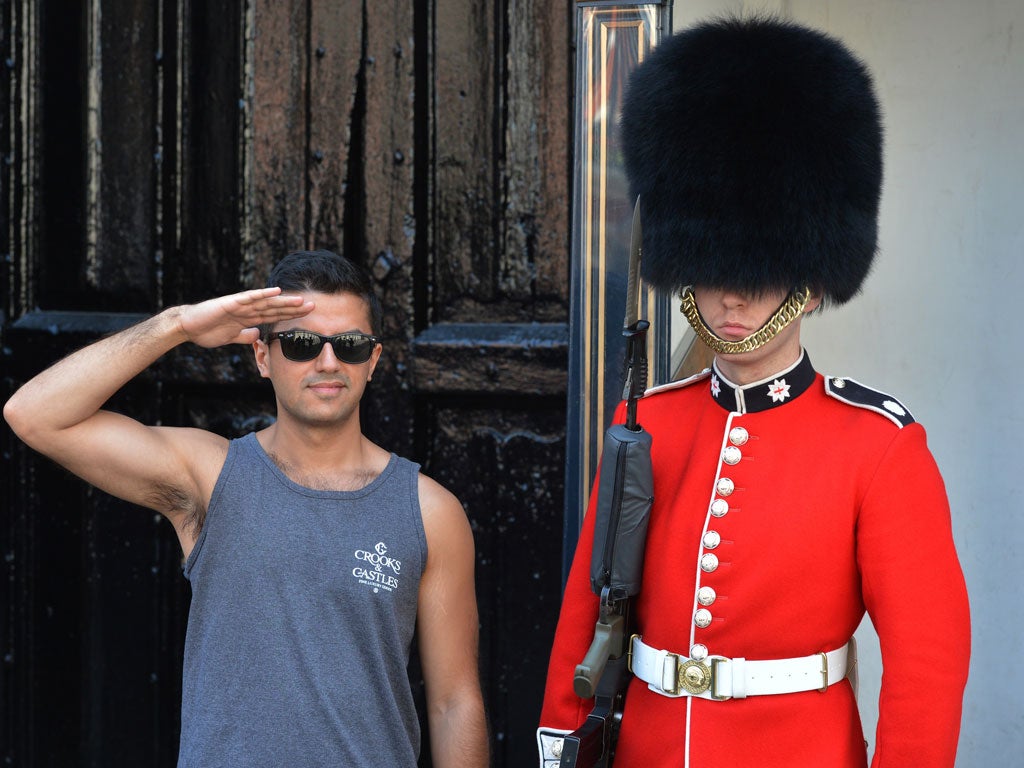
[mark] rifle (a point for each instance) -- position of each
(624, 497)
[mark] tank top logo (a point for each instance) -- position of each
(377, 568)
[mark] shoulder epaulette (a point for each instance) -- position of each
(679, 384)
(854, 393)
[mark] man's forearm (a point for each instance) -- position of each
(458, 737)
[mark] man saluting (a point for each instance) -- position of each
(313, 553)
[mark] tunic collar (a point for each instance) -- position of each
(771, 392)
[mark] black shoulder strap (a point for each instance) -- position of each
(854, 393)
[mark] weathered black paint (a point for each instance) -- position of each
(94, 604)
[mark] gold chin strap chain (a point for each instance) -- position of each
(787, 312)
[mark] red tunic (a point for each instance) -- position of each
(836, 509)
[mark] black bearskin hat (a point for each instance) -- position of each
(755, 146)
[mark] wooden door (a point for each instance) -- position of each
(160, 153)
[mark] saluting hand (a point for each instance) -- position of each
(234, 319)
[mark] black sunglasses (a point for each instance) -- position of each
(302, 346)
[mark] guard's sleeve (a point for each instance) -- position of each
(563, 711)
(915, 593)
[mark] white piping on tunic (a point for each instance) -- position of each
(700, 552)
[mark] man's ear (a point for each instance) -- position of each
(374, 357)
(814, 301)
(261, 351)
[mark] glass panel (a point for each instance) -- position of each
(612, 38)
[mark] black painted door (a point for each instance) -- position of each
(157, 153)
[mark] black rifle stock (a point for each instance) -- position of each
(593, 743)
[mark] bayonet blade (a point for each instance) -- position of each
(633, 280)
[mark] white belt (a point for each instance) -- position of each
(719, 678)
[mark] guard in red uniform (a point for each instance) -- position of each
(787, 503)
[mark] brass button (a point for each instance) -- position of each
(706, 596)
(702, 618)
(698, 652)
(732, 455)
(738, 436)
(719, 507)
(708, 562)
(711, 539)
(838, 383)
(725, 486)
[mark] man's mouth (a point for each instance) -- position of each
(328, 386)
(726, 330)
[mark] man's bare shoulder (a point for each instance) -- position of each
(438, 501)
(445, 522)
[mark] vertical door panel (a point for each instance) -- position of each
(275, 141)
(466, 135)
(336, 40)
(533, 266)
(387, 209)
(121, 154)
(165, 153)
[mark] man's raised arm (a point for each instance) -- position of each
(58, 413)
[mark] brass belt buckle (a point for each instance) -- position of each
(694, 677)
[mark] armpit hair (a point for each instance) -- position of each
(170, 500)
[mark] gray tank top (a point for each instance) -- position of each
(303, 612)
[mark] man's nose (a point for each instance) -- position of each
(327, 360)
(734, 299)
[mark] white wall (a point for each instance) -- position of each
(939, 321)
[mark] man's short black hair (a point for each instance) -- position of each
(327, 272)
